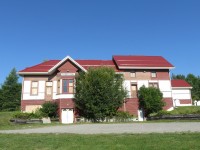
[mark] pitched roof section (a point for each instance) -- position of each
(41, 68)
(180, 84)
(142, 62)
(64, 60)
(97, 63)
(118, 62)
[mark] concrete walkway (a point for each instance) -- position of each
(114, 128)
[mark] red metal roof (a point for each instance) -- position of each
(42, 67)
(141, 61)
(46, 66)
(96, 63)
(127, 61)
(180, 83)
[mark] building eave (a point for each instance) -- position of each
(124, 67)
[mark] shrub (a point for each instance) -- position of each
(49, 109)
(123, 116)
(21, 115)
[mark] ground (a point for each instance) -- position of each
(162, 127)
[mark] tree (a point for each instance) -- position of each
(178, 76)
(150, 100)
(195, 83)
(99, 93)
(10, 92)
(49, 109)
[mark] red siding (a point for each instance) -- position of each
(185, 101)
(24, 103)
(169, 103)
(67, 66)
(161, 75)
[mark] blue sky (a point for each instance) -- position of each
(35, 30)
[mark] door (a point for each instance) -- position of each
(67, 116)
(49, 91)
(133, 90)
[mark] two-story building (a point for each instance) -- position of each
(54, 80)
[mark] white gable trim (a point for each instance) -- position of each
(62, 61)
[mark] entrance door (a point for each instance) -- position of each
(133, 90)
(67, 116)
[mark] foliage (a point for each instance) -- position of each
(49, 109)
(150, 100)
(10, 93)
(21, 115)
(194, 81)
(123, 116)
(99, 93)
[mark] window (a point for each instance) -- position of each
(34, 88)
(58, 86)
(68, 86)
(133, 74)
(155, 85)
(153, 74)
(49, 88)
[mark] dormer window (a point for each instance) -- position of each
(133, 74)
(153, 74)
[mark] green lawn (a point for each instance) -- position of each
(5, 123)
(186, 110)
(183, 141)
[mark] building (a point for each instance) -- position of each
(54, 80)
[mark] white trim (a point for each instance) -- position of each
(124, 67)
(32, 73)
(62, 61)
(181, 87)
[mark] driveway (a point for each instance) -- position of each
(114, 128)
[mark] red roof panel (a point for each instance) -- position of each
(180, 83)
(141, 61)
(124, 61)
(42, 67)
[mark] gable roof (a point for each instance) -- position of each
(48, 67)
(118, 62)
(142, 62)
(178, 83)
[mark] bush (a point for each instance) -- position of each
(122, 116)
(49, 109)
(21, 115)
(160, 113)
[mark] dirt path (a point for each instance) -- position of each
(114, 128)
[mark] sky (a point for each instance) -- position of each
(32, 31)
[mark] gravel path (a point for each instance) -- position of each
(114, 128)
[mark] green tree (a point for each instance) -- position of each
(150, 100)
(195, 83)
(99, 93)
(49, 109)
(178, 76)
(10, 92)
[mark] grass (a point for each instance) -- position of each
(186, 110)
(176, 141)
(5, 123)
